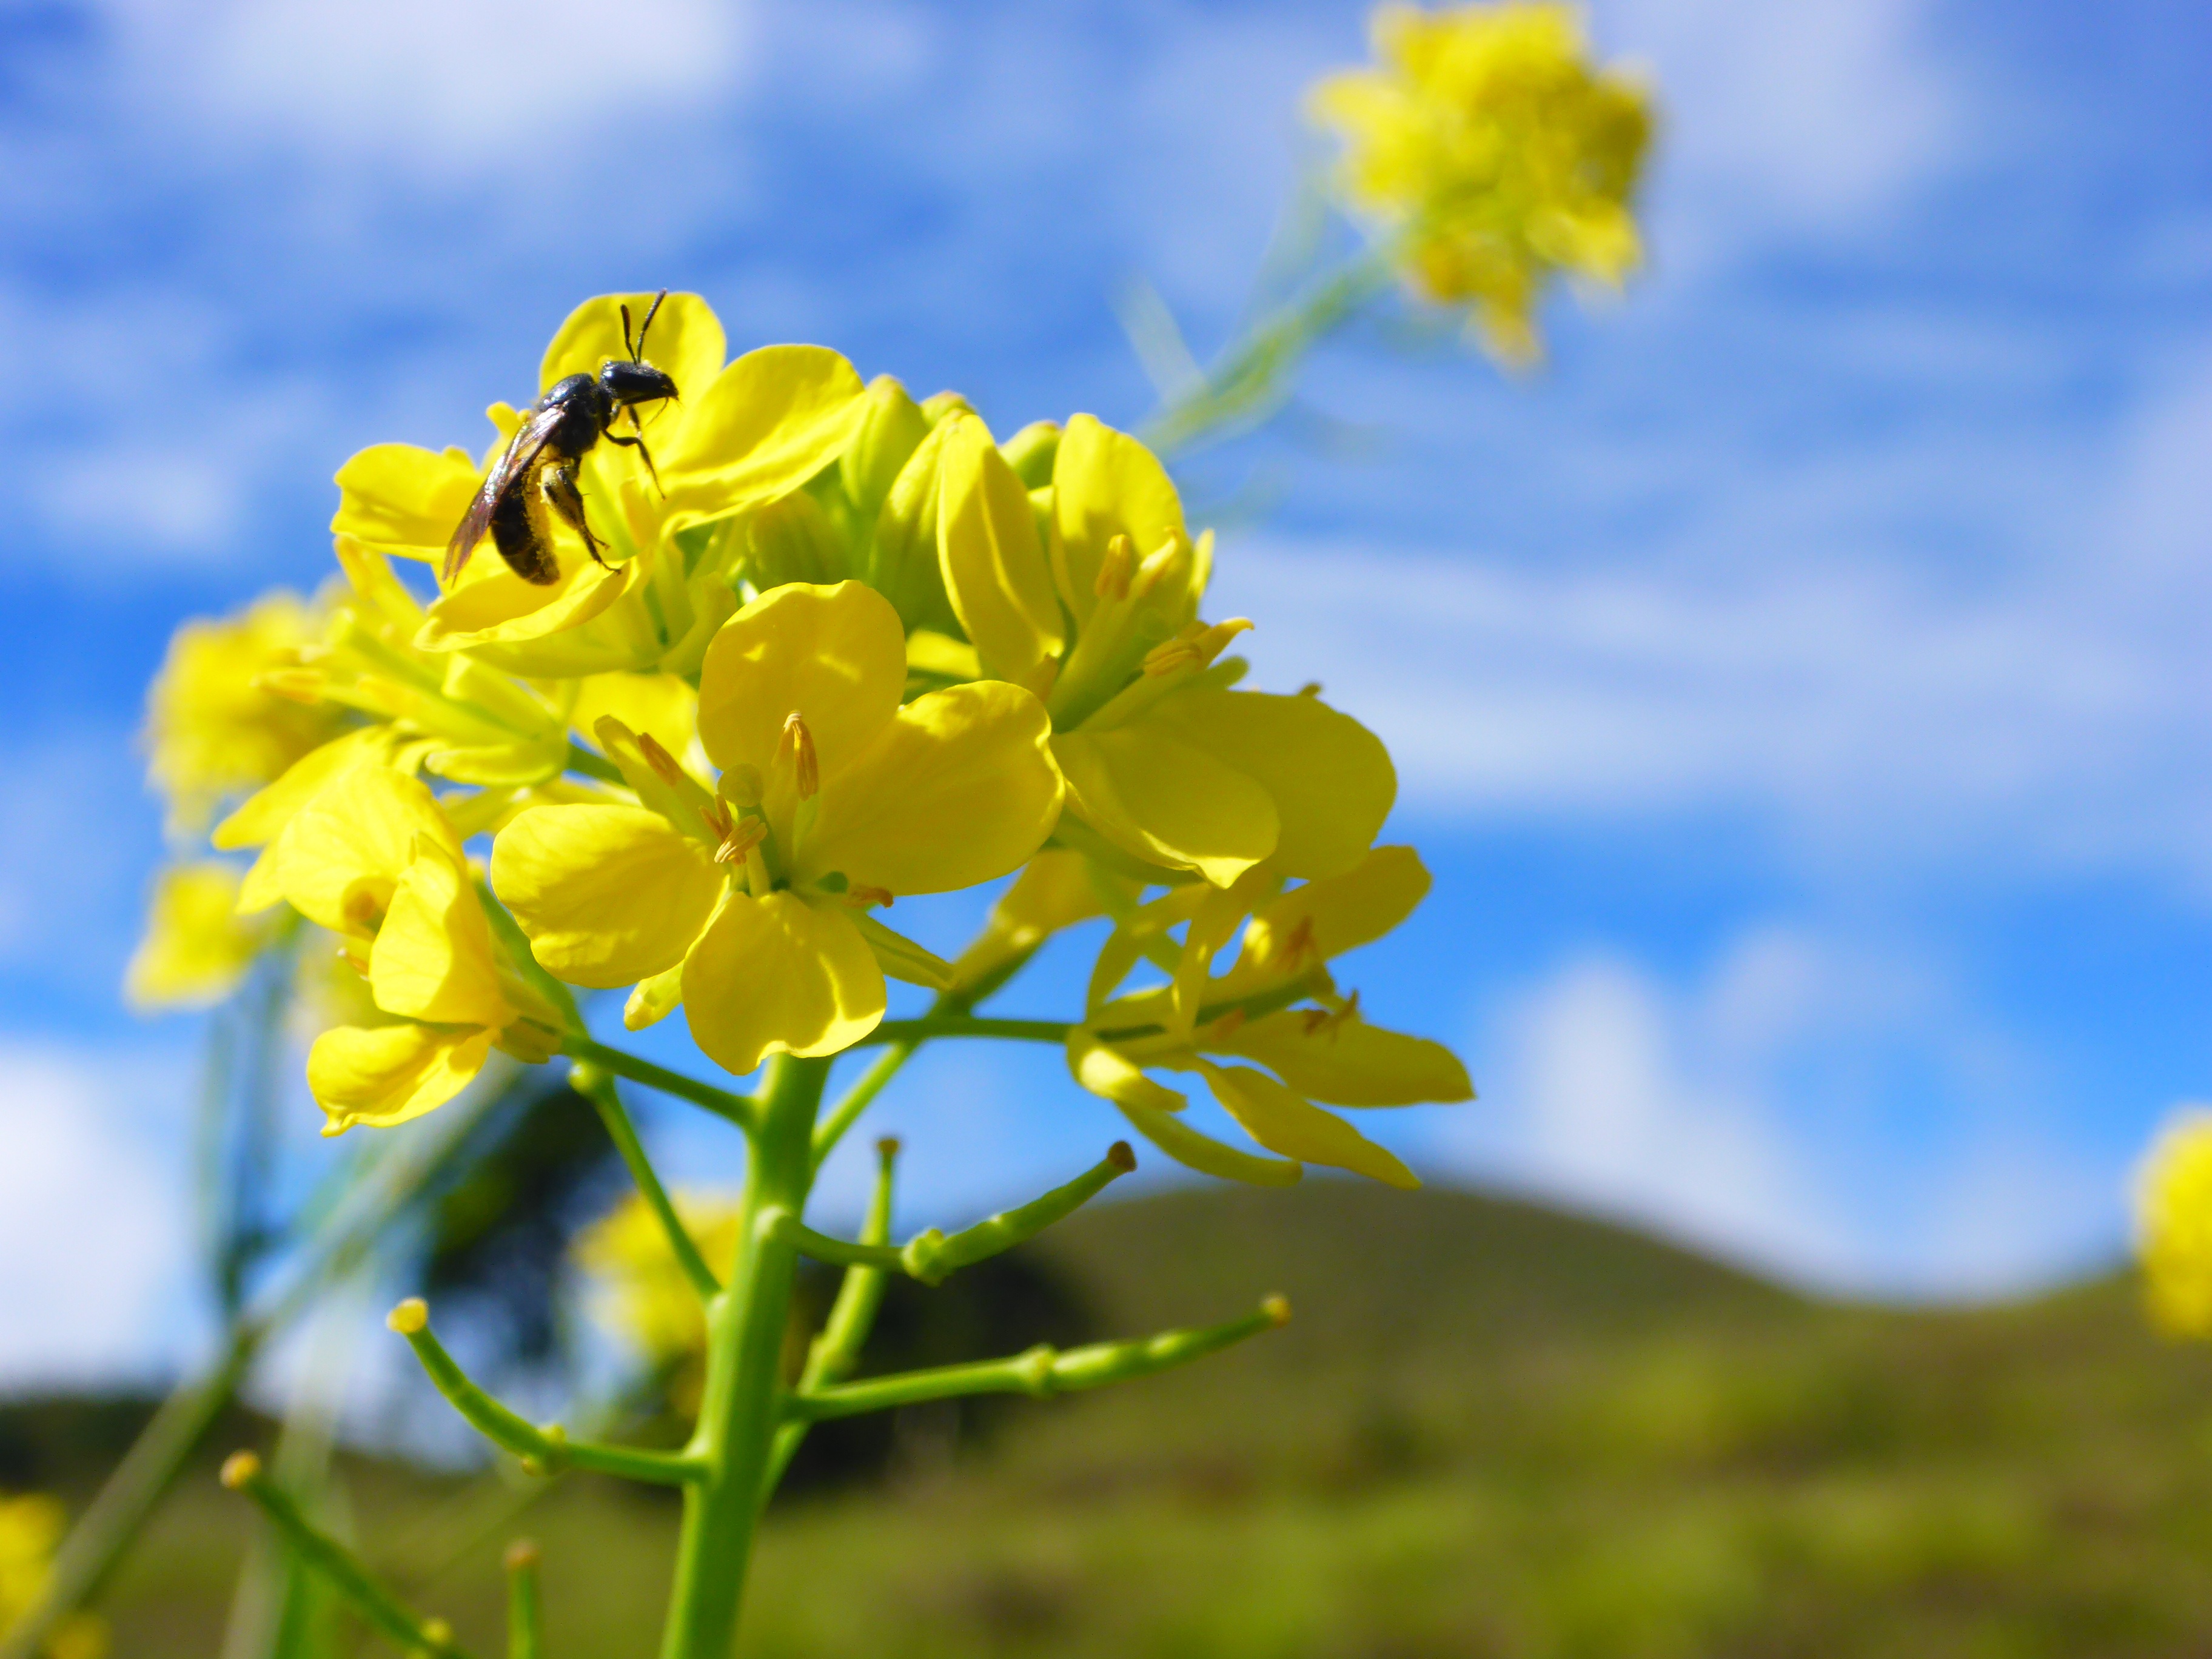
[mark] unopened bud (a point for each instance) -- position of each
(239, 1468)
(410, 1317)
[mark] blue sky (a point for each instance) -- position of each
(1798, 688)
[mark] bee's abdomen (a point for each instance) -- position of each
(520, 533)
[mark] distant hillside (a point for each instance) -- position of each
(1490, 1430)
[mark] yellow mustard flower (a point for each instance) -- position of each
(372, 860)
(643, 1293)
(749, 903)
(1096, 609)
(31, 1528)
(1487, 140)
(2173, 1225)
(741, 435)
(197, 946)
(1324, 1053)
(213, 731)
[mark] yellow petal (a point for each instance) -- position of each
(433, 957)
(608, 895)
(402, 500)
(1203, 1153)
(1162, 800)
(1324, 919)
(1056, 890)
(499, 607)
(686, 343)
(1112, 1075)
(959, 788)
(765, 425)
(387, 1074)
(779, 976)
(342, 856)
(993, 565)
(1105, 484)
(661, 704)
(196, 948)
(835, 656)
(256, 823)
(1287, 1123)
(1329, 776)
(1349, 1062)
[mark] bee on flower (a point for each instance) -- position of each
(1493, 155)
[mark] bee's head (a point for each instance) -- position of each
(629, 383)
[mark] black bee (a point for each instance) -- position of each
(540, 464)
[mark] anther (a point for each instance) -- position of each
(798, 743)
(410, 1317)
(659, 759)
(1195, 645)
(1113, 580)
(862, 898)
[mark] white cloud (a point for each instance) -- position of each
(93, 1242)
(453, 86)
(1735, 1113)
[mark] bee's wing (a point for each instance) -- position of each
(509, 470)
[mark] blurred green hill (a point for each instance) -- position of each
(1490, 1430)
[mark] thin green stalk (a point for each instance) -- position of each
(1043, 1371)
(150, 1467)
(859, 1097)
(966, 1025)
(741, 1109)
(597, 1086)
(836, 1348)
(592, 765)
(741, 1405)
(543, 1451)
(526, 1615)
(930, 1256)
(414, 1634)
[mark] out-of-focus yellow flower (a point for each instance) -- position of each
(1488, 140)
(1324, 1052)
(740, 435)
(642, 1291)
(373, 859)
(212, 732)
(749, 904)
(1096, 609)
(197, 946)
(31, 1528)
(2173, 1225)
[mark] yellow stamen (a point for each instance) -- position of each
(659, 759)
(738, 836)
(1113, 580)
(798, 744)
(1195, 646)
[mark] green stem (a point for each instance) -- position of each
(740, 1406)
(834, 1352)
(1043, 1371)
(966, 1025)
(859, 1097)
(592, 765)
(543, 1451)
(337, 1563)
(931, 1256)
(597, 1086)
(526, 1615)
(741, 1109)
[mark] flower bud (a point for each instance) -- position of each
(792, 540)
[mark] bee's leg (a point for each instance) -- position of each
(560, 487)
(643, 454)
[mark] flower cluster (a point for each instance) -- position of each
(2174, 1225)
(844, 647)
(30, 1527)
(1496, 154)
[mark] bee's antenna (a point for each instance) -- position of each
(627, 346)
(637, 353)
